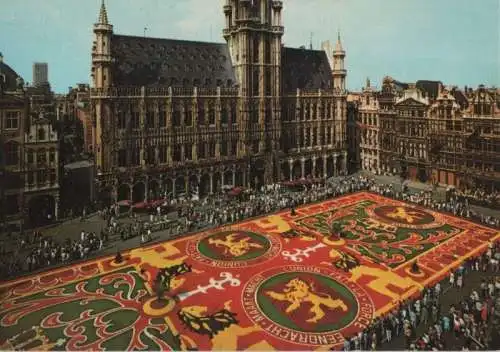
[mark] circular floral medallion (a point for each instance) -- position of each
(234, 248)
(306, 305)
(404, 216)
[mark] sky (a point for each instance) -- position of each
(454, 41)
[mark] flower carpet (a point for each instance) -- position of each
(280, 282)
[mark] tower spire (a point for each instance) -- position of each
(103, 14)
(339, 72)
(338, 46)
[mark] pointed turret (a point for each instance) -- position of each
(338, 45)
(339, 72)
(103, 14)
(101, 49)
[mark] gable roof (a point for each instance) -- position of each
(411, 100)
(142, 61)
(460, 98)
(8, 77)
(400, 86)
(431, 88)
(12, 100)
(305, 69)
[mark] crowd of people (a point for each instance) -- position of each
(454, 204)
(479, 196)
(38, 251)
(463, 325)
(423, 323)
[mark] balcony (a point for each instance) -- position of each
(101, 58)
(100, 27)
(139, 92)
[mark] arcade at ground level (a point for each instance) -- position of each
(210, 180)
(279, 282)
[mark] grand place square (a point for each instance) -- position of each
(233, 190)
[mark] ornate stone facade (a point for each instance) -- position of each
(13, 112)
(369, 124)
(432, 133)
(41, 164)
(29, 172)
(172, 116)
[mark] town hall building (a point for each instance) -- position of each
(175, 117)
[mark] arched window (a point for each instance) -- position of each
(11, 153)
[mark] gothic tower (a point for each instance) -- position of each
(101, 79)
(101, 50)
(253, 33)
(339, 72)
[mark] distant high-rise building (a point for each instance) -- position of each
(29, 153)
(40, 73)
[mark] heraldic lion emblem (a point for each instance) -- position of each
(298, 291)
(234, 247)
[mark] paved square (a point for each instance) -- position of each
(279, 282)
